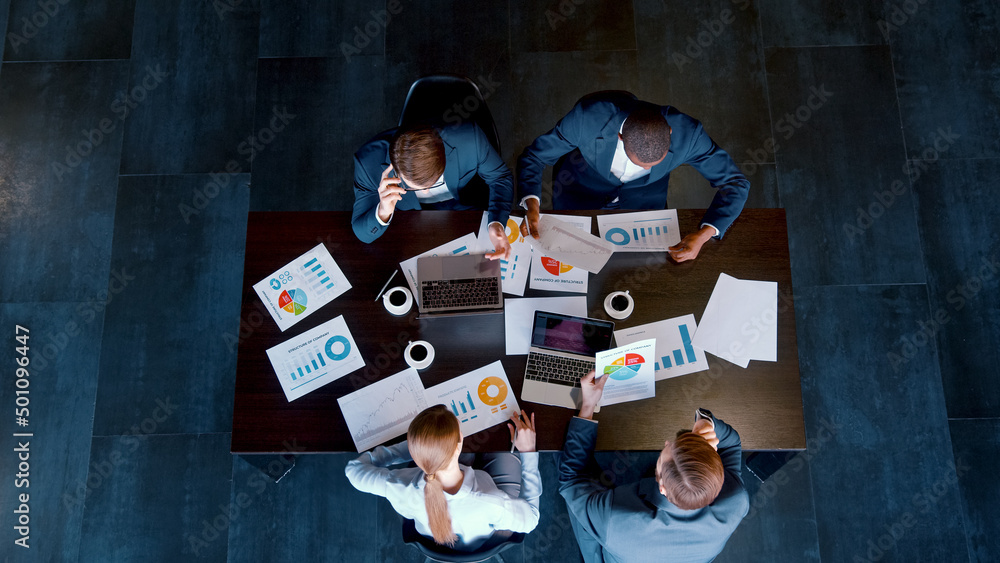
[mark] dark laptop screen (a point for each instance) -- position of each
(571, 334)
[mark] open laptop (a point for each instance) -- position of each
(562, 351)
(458, 285)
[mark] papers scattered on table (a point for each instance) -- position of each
(519, 314)
(383, 410)
(560, 238)
(740, 321)
(513, 272)
(458, 247)
(644, 231)
(630, 369)
(480, 399)
(300, 287)
(675, 353)
(314, 358)
(550, 273)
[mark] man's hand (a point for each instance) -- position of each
(704, 428)
(530, 224)
(498, 236)
(590, 394)
(522, 431)
(389, 193)
(689, 246)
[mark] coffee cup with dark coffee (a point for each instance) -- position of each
(419, 354)
(619, 305)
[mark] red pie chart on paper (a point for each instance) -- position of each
(625, 367)
(293, 301)
(554, 266)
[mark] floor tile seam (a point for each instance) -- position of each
(767, 96)
(519, 52)
(963, 418)
(940, 158)
(66, 61)
(894, 284)
(141, 435)
(857, 45)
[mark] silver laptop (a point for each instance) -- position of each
(562, 351)
(458, 285)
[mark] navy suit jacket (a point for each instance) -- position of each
(635, 523)
(467, 153)
(592, 127)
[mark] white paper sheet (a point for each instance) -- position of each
(480, 399)
(458, 247)
(383, 410)
(548, 273)
(740, 322)
(675, 353)
(630, 369)
(513, 272)
(302, 286)
(643, 231)
(314, 358)
(563, 241)
(518, 315)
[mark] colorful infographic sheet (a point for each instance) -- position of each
(643, 231)
(551, 274)
(383, 410)
(675, 353)
(302, 286)
(630, 369)
(513, 272)
(480, 399)
(458, 247)
(314, 358)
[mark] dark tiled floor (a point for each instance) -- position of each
(203, 78)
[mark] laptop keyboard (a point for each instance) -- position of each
(557, 369)
(466, 293)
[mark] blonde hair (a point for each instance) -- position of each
(432, 438)
(692, 475)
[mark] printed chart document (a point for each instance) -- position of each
(300, 287)
(480, 399)
(458, 247)
(549, 273)
(519, 314)
(563, 241)
(383, 410)
(630, 369)
(740, 322)
(314, 358)
(675, 354)
(513, 272)
(643, 231)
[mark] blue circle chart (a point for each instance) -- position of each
(343, 353)
(609, 236)
(275, 284)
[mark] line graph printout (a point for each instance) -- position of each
(314, 358)
(302, 286)
(480, 399)
(383, 410)
(549, 273)
(563, 240)
(643, 231)
(467, 244)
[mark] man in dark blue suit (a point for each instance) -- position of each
(685, 514)
(615, 152)
(424, 167)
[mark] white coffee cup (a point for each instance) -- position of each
(614, 298)
(419, 354)
(398, 300)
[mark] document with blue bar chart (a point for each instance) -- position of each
(315, 357)
(480, 399)
(300, 287)
(643, 231)
(675, 354)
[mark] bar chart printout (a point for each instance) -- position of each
(314, 358)
(302, 286)
(644, 231)
(675, 354)
(383, 410)
(480, 399)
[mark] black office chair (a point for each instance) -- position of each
(620, 97)
(448, 99)
(434, 552)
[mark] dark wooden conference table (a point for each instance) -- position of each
(763, 402)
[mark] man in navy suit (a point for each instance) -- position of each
(685, 514)
(612, 151)
(424, 167)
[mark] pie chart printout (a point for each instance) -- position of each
(492, 391)
(293, 300)
(625, 367)
(554, 266)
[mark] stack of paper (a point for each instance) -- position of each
(740, 321)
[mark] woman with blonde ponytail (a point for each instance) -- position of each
(460, 507)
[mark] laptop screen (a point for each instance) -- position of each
(577, 335)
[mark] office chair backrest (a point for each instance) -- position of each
(444, 554)
(618, 97)
(448, 99)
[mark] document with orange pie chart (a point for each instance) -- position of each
(549, 273)
(480, 399)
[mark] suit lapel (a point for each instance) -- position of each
(452, 167)
(607, 143)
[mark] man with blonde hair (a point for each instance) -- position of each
(685, 514)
